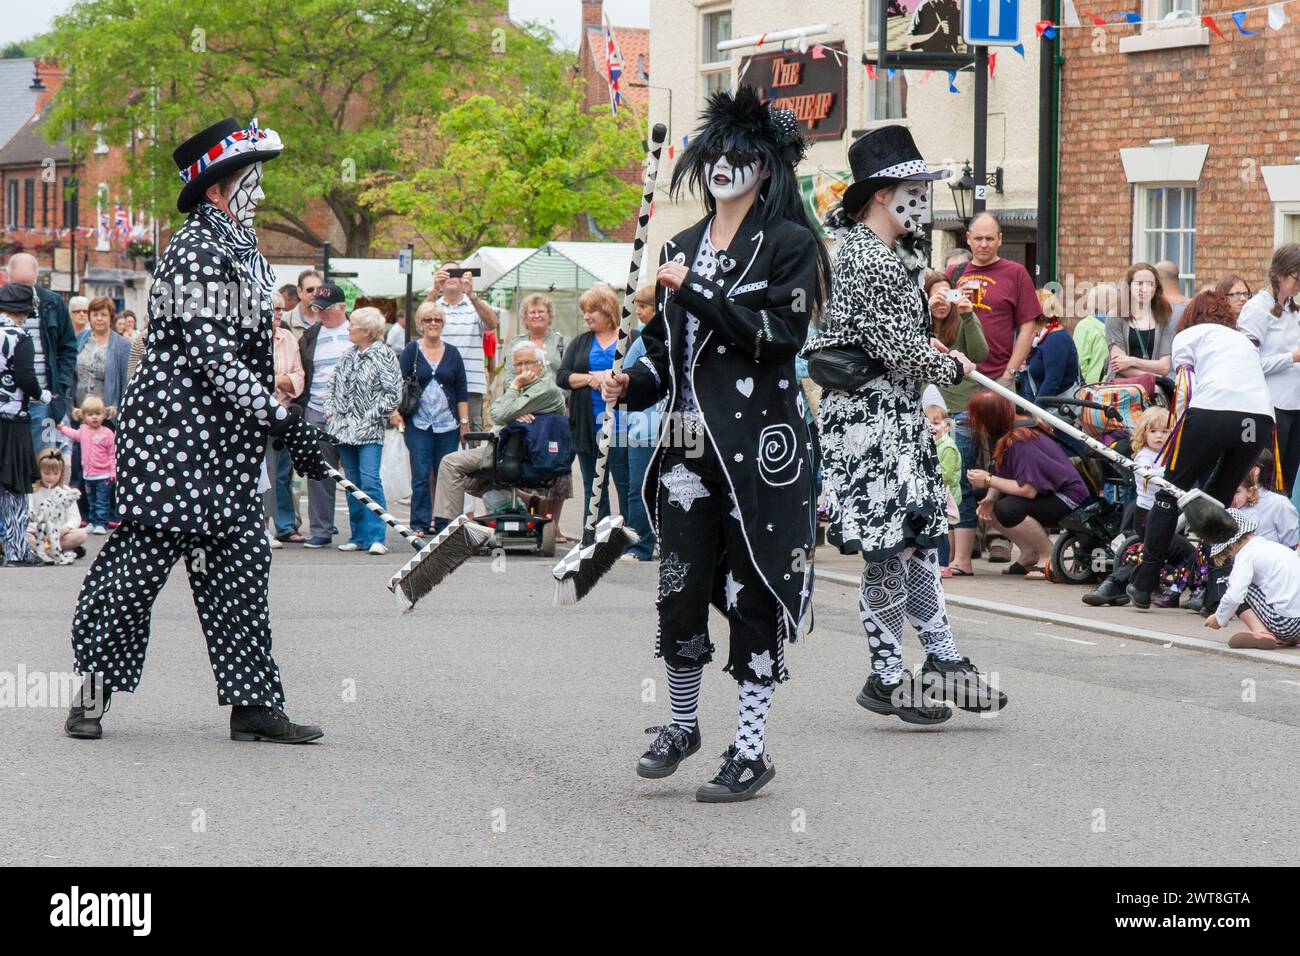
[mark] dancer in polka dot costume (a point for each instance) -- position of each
(194, 426)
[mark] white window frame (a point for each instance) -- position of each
(102, 216)
(1142, 229)
(1167, 29)
(722, 67)
(1283, 184)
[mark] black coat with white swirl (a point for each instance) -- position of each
(753, 320)
(880, 470)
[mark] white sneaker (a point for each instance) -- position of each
(350, 546)
(378, 548)
(275, 545)
(99, 529)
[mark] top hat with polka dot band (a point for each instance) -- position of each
(213, 154)
(883, 156)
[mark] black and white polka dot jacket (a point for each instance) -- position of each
(197, 413)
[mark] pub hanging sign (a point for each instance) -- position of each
(812, 85)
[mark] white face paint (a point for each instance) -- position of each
(726, 182)
(908, 203)
(245, 195)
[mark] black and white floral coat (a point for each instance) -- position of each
(880, 470)
(754, 317)
(363, 393)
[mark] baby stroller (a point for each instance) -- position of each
(526, 460)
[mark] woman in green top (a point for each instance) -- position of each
(955, 324)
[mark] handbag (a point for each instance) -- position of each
(412, 392)
(845, 368)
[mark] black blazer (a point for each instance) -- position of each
(754, 319)
(582, 420)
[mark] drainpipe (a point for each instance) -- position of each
(1048, 114)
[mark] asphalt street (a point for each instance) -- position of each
(489, 727)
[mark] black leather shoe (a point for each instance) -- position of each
(1109, 594)
(1141, 599)
(673, 745)
(960, 682)
(897, 701)
(88, 709)
(269, 724)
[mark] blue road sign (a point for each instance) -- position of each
(990, 22)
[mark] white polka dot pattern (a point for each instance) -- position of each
(901, 170)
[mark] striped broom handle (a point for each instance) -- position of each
(657, 137)
(341, 480)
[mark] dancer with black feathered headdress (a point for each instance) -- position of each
(730, 485)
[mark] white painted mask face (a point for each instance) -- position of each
(907, 205)
(245, 195)
(727, 182)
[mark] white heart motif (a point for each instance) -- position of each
(745, 386)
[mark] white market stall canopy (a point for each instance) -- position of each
(375, 278)
(495, 261)
(571, 265)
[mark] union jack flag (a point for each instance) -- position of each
(613, 68)
(121, 222)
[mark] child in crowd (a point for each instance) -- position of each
(950, 468)
(54, 519)
(98, 459)
(1274, 515)
(1263, 588)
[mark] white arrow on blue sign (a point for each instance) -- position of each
(990, 22)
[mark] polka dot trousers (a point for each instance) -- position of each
(229, 577)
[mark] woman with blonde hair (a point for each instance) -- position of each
(441, 420)
(581, 372)
(365, 389)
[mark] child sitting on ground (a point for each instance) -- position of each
(1263, 588)
(54, 521)
(1274, 515)
(98, 459)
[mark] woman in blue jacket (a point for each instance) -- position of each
(1053, 366)
(443, 416)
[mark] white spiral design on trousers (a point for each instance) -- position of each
(779, 463)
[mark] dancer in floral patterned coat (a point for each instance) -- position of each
(880, 469)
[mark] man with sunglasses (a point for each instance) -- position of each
(300, 318)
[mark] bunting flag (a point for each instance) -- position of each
(1020, 48)
(1239, 18)
(613, 68)
(1071, 15)
(925, 78)
(1096, 19)
(871, 72)
(1130, 17)
(1209, 22)
(993, 62)
(952, 82)
(1045, 28)
(1276, 16)
(889, 73)
(818, 52)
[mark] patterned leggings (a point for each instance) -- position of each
(904, 585)
(13, 526)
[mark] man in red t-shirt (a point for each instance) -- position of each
(1004, 299)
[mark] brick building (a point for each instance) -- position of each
(634, 44)
(64, 213)
(1177, 144)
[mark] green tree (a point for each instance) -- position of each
(515, 164)
(335, 78)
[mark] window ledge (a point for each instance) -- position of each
(1166, 38)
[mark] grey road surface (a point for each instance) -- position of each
(488, 727)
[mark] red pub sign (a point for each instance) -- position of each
(813, 85)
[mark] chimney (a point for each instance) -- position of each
(592, 14)
(47, 77)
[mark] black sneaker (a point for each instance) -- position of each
(960, 682)
(673, 745)
(88, 709)
(1196, 602)
(739, 778)
(271, 725)
(1109, 594)
(1141, 599)
(896, 701)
